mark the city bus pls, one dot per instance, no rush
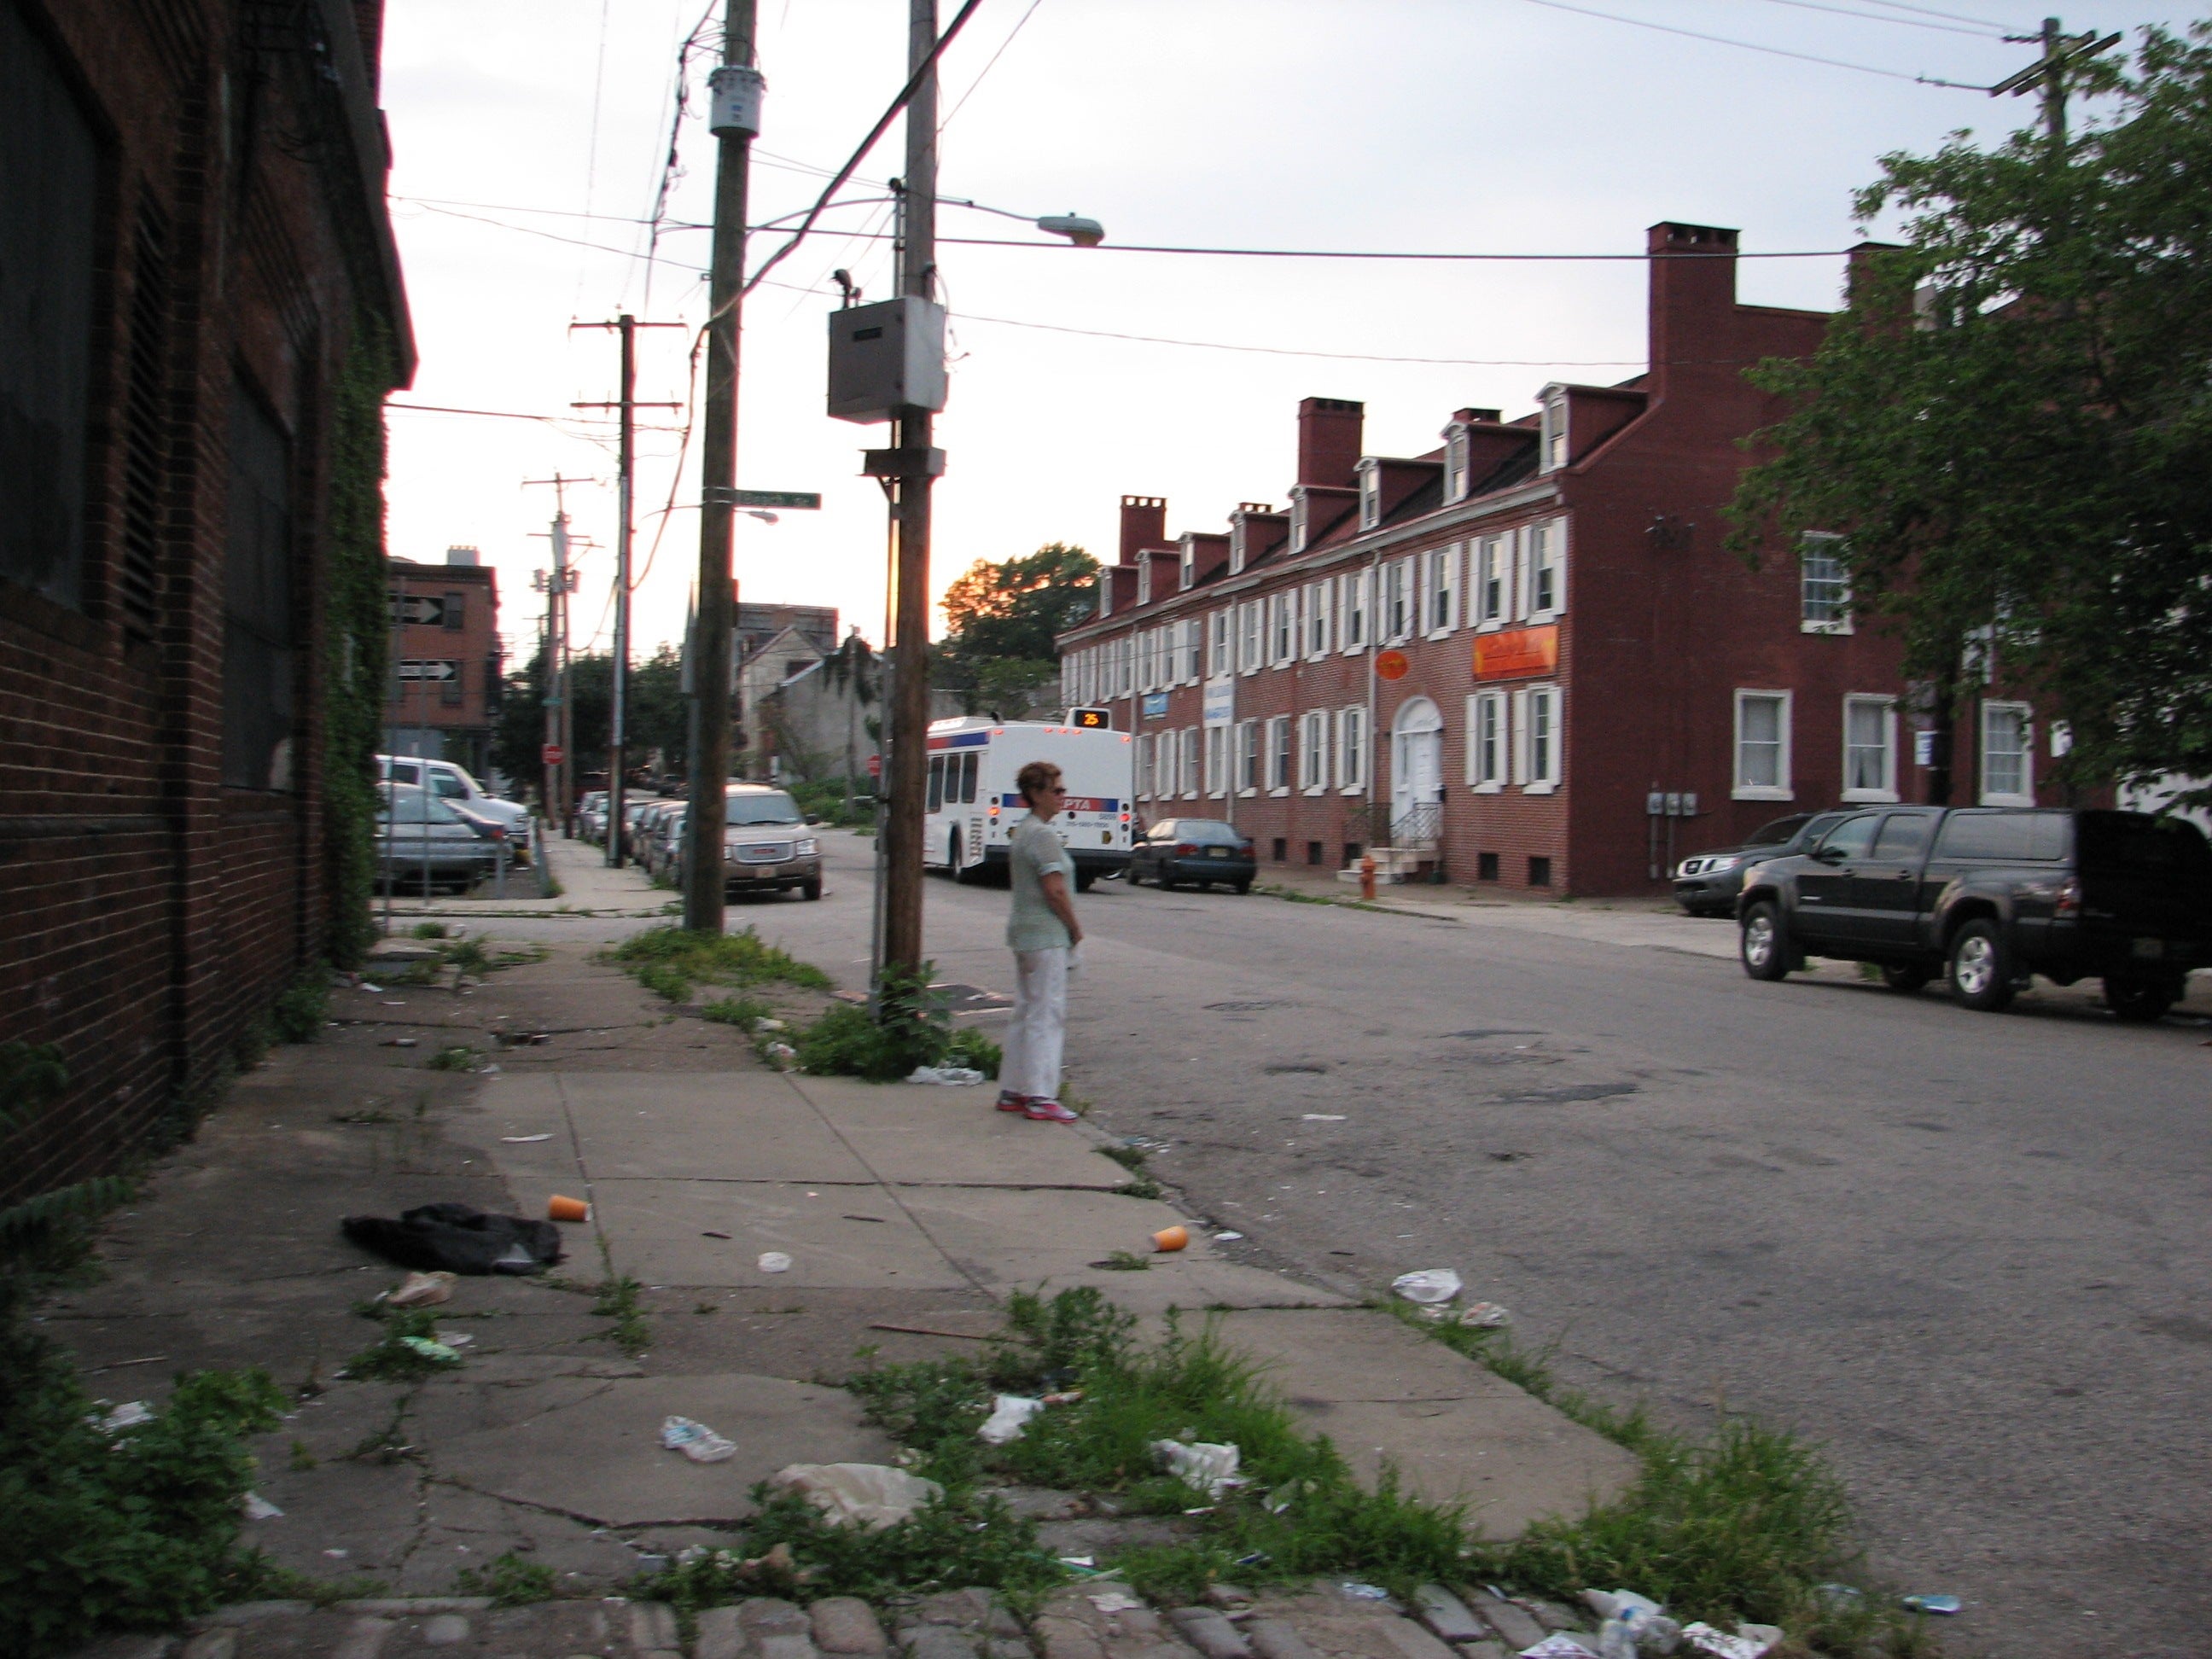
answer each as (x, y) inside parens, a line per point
(973, 804)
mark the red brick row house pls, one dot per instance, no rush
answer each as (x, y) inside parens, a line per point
(1525, 657)
(201, 310)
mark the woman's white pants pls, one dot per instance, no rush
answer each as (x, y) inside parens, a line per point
(1038, 1029)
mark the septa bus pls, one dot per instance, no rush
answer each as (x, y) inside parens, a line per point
(974, 804)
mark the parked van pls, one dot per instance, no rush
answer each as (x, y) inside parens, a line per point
(974, 804)
(449, 782)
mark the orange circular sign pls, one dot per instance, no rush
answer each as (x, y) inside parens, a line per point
(1392, 666)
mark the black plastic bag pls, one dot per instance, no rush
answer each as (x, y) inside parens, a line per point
(455, 1239)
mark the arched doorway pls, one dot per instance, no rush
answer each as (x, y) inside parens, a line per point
(1417, 774)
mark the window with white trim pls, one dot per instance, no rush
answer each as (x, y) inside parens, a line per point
(1313, 750)
(1194, 648)
(1440, 590)
(1217, 760)
(1869, 749)
(2007, 755)
(1397, 600)
(1552, 437)
(1248, 757)
(1252, 637)
(1127, 653)
(1824, 596)
(1144, 579)
(1301, 521)
(1371, 493)
(1355, 589)
(1457, 467)
(1144, 747)
(1352, 749)
(1762, 746)
(1218, 661)
(1486, 742)
(1493, 598)
(1188, 769)
(1546, 740)
(1547, 570)
(1279, 755)
(1282, 627)
(1320, 611)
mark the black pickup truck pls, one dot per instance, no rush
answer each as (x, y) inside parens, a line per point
(1987, 896)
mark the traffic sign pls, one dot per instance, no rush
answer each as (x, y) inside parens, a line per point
(798, 501)
(875, 766)
(414, 668)
(1392, 665)
(550, 754)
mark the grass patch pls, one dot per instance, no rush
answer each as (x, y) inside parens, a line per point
(396, 1358)
(428, 930)
(910, 1028)
(1132, 1158)
(670, 960)
(458, 1058)
(1290, 895)
(741, 1011)
(510, 1580)
(617, 1298)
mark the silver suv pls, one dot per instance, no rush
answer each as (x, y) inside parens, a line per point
(766, 845)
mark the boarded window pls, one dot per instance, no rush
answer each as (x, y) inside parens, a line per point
(257, 638)
(48, 179)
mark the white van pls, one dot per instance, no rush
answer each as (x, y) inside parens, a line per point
(974, 804)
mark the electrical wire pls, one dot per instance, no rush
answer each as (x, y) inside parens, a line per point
(993, 64)
(1367, 254)
(1986, 31)
(1292, 351)
(1772, 51)
(555, 236)
(1927, 11)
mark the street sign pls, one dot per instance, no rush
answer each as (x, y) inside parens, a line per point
(875, 766)
(796, 500)
(550, 754)
(1091, 719)
(426, 669)
(1392, 666)
(419, 610)
(1156, 705)
(1218, 703)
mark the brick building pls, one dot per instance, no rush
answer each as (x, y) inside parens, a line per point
(446, 660)
(200, 312)
(1525, 657)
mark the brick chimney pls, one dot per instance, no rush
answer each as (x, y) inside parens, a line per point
(1692, 295)
(1329, 441)
(1143, 524)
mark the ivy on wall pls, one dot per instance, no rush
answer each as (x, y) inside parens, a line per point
(357, 639)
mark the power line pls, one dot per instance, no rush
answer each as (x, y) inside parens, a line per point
(1986, 31)
(1369, 254)
(993, 64)
(1927, 11)
(555, 236)
(1289, 351)
(1773, 51)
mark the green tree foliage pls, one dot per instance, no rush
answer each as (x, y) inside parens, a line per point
(657, 715)
(1001, 621)
(2012, 421)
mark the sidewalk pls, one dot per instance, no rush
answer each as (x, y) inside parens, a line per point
(908, 1214)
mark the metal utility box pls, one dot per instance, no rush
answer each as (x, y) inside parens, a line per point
(886, 356)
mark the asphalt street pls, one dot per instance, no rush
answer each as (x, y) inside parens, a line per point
(1966, 1253)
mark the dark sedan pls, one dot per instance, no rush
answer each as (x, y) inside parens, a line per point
(1707, 884)
(1201, 850)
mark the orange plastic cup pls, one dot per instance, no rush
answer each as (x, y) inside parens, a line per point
(1171, 1238)
(558, 1208)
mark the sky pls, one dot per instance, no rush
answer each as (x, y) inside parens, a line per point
(531, 138)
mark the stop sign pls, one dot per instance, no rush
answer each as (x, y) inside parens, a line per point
(875, 766)
(550, 754)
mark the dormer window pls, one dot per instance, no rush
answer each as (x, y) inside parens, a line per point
(1105, 593)
(1552, 438)
(1189, 565)
(1371, 493)
(1301, 520)
(1145, 580)
(1457, 464)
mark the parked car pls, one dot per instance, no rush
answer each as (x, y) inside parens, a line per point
(454, 785)
(653, 826)
(1708, 884)
(763, 848)
(1201, 850)
(422, 838)
(1987, 896)
(634, 811)
(592, 816)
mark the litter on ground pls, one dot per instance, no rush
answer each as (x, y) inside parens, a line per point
(1009, 1417)
(1225, 1239)
(1749, 1642)
(1116, 1601)
(436, 1352)
(1360, 1592)
(421, 1290)
(258, 1507)
(1428, 1287)
(1944, 1604)
(525, 1140)
(696, 1440)
(1557, 1647)
(1211, 1467)
(458, 1238)
(774, 1262)
(858, 1494)
(955, 1076)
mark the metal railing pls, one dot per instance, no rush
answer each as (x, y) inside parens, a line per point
(1418, 827)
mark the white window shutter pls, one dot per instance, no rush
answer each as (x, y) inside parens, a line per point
(1474, 738)
(1520, 737)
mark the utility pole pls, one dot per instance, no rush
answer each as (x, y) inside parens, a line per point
(734, 119)
(625, 495)
(908, 728)
(558, 758)
(2048, 73)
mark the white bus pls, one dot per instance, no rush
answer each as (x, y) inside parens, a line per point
(973, 804)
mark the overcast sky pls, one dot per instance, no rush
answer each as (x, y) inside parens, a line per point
(1434, 125)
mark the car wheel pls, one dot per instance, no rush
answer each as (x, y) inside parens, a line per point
(2138, 1000)
(811, 889)
(1243, 886)
(1766, 953)
(1084, 878)
(1981, 967)
(1906, 977)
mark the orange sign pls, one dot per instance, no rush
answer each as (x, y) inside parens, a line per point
(1517, 651)
(1391, 666)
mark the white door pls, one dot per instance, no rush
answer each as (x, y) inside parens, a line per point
(1417, 771)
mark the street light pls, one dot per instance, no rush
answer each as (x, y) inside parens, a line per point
(1084, 233)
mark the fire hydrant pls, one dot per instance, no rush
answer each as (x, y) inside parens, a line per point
(1367, 878)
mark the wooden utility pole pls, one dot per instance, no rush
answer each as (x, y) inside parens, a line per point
(734, 119)
(558, 758)
(2048, 73)
(908, 728)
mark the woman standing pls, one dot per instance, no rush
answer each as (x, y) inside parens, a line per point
(1043, 932)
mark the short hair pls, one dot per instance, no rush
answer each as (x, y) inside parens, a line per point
(1036, 775)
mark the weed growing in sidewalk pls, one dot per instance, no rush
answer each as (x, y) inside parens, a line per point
(1132, 1158)
(428, 930)
(1745, 1525)
(910, 1028)
(741, 1011)
(395, 1358)
(510, 1580)
(670, 960)
(458, 1058)
(617, 1298)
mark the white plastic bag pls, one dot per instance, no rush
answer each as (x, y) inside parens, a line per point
(1209, 1466)
(1429, 1286)
(696, 1440)
(858, 1494)
(1010, 1417)
(957, 1076)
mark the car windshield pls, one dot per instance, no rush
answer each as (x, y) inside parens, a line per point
(409, 804)
(771, 807)
(1774, 833)
(1207, 832)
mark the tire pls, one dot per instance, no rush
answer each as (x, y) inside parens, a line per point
(1762, 947)
(1980, 969)
(1084, 878)
(810, 889)
(1243, 887)
(2136, 1000)
(1907, 978)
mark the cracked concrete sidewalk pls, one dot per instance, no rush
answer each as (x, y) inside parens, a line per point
(908, 1214)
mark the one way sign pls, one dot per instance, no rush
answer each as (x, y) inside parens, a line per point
(427, 670)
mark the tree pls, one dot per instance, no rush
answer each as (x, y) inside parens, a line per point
(657, 718)
(1002, 620)
(2011, 422)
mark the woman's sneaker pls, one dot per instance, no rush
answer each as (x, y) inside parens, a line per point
(1010, 1101)
(1047, 1111)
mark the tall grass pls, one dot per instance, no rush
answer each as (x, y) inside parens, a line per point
(670, 960)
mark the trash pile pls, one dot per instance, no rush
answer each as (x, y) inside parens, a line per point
(456, 1238)
(1435, 1291)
